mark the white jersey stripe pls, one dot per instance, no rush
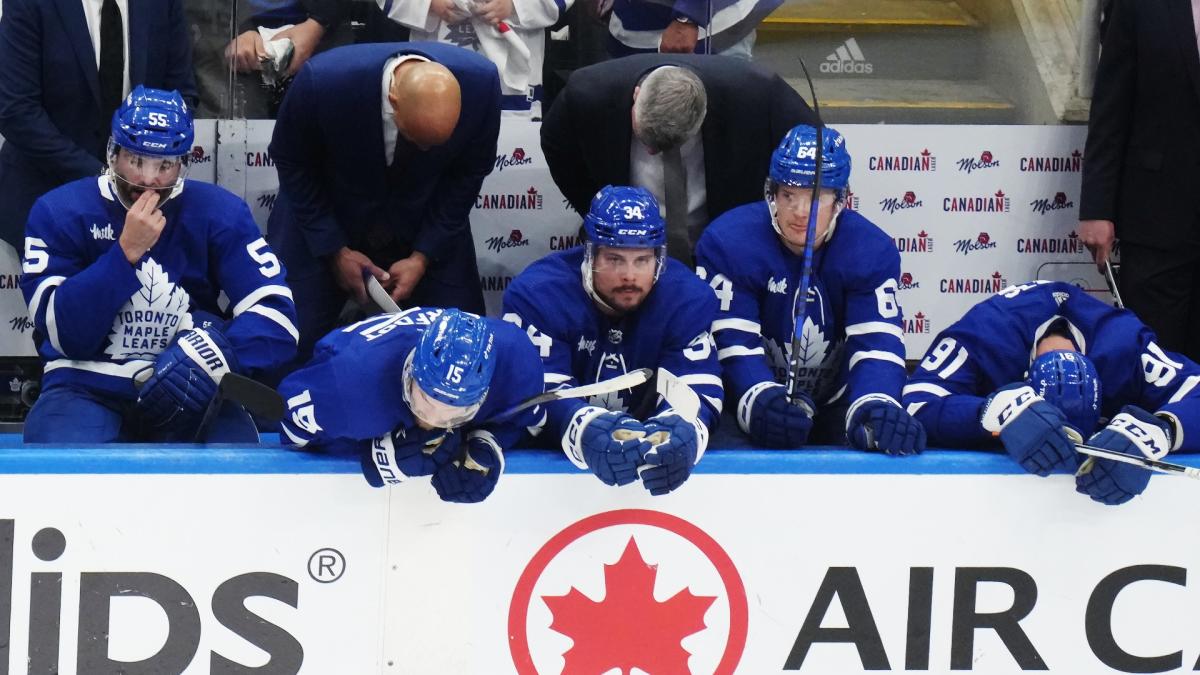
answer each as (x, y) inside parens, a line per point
(727, 352)
(926, 388)
(874, 327)
(875, 355)
(258, 294)
(737, 324)
(279, 318)
(36, 303)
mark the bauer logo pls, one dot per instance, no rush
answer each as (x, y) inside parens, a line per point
(917, 324)
(514, 240)
(1056, 245)
(185, 630)
(530, 200)
(992, 284)
(515, 158)
(922, 243)
(921, 162)
(907, 201)
(1058, 202)
(1072, 163)
(907, 282)
(997, 203)
(980, 243)
(646, 572)
(985, 161)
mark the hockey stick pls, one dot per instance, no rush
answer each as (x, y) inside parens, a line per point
(680, 397)
(1144, 462)
(379, 296)
(1111, 280)
(627, 381)
(256, 397)
(801, 310)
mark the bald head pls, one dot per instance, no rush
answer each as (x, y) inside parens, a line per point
(426, 101)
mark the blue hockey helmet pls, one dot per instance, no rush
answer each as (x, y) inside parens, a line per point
(1068, 381)
(153, 122)
(154, 127)
(452, 368)
(794, 162)
(625, 217)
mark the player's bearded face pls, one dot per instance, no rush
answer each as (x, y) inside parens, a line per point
(792, 206)
(138, 173)
(623, 277)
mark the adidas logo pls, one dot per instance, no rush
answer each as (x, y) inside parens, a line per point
(848, 58)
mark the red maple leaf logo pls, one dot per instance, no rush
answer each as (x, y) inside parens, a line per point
(922, 234)
(628, 628)
(996, 275)
(925, 152)
(919, 315)
(532, 190)
(1073, 235)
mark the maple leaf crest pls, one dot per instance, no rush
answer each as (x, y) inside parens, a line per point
(610, 400)
(159, 299)
(627, 628)
(813, 344)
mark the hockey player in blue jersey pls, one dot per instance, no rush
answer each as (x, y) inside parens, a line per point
(1040, 365)
(418, 393)
(610, 306)
(122, 275)
(852, 349)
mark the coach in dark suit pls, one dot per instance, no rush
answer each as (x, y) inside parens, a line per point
(1141, 170)
(56, 104)
(742, 112)
(383, 184)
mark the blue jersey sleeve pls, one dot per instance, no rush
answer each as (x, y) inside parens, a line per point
(263, 329)
(72, 299)
(518, 377)
(690, 352)
(1168, 387)
(737, 328)
(523, 309)
(943, 392)
(874, 323)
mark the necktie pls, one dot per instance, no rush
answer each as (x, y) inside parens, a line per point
(679, 243)
(112, 58)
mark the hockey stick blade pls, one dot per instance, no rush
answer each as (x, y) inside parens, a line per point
(627, 381)
(1144, 462)
(252, 395)
(379, 296)
(682, 398)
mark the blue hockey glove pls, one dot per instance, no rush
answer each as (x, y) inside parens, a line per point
(185, 380)
(609, 443)
(1032, 430)
(883, 425)
(1133, 432)
(669, 461)
(474, 477)
(394, 457)
(771, 420)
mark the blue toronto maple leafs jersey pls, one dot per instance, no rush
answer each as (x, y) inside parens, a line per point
(353, 388)
(853, 340)
(579, 344)
(992, 345)
(98, 319)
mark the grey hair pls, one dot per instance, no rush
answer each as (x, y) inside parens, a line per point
(670, 107)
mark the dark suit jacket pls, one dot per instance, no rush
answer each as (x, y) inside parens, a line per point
(1141, 164)
(334, 182)
(587, 131)
(54, 130)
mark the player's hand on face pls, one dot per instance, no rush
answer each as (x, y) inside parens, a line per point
(405, 274)
(679, 38)
(305, 37)
(1098, 236)
(144, 223)
(347, 267)
(494, 11)
(446, 10)
(246, 52)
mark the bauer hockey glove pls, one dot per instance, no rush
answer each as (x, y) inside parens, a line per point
(771, 420)
(677, 446)
(1032, 430)
(405, 453)
(884, 425)
(185, 379)
(474, 477)
(1132, 432)
(609, 443)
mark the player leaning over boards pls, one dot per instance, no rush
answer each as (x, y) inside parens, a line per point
(1035, 360)
(122, 273)
(417, 393)
(852, 344)
(613, 305)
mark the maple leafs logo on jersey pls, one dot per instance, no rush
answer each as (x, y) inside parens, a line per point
(609, 400)
(615, 631)
(149, 320)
